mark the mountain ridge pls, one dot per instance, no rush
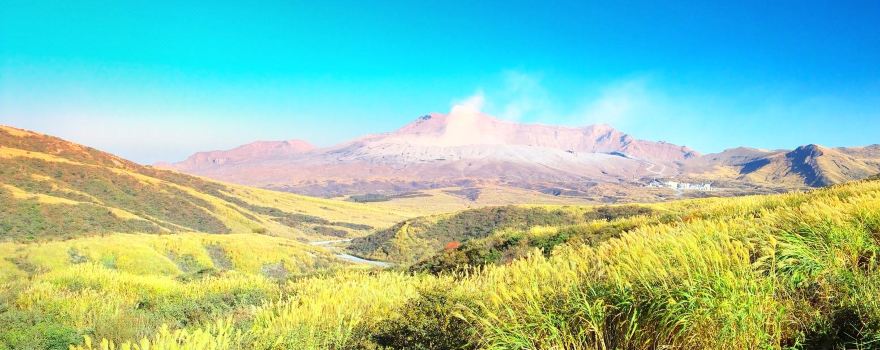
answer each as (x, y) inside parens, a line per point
(250, 150)
(809, 165)
(471, 149)
(441, 150)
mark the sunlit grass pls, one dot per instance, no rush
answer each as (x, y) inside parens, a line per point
(150, 254)
(760, 272)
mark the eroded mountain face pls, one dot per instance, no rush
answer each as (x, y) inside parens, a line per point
(471, 149)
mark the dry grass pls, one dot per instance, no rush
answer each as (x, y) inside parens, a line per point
(763, 272)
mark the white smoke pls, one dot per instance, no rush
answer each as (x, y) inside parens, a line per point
(466, 124)
(619, 103)
(523, 96)
(471, 105)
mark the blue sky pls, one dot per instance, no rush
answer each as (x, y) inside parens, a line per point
(159, 80)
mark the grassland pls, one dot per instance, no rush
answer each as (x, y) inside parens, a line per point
(187, 250)
(796, 270)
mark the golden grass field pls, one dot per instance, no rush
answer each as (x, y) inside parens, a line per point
(778, 271)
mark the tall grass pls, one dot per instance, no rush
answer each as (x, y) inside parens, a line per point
(766, 272)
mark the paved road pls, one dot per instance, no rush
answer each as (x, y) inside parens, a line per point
(326, 243)
(357, 260)
(349, 257)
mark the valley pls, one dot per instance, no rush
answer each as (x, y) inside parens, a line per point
(102, 253)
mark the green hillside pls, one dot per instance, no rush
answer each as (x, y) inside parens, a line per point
(180, 249)
(420, 238)
(51, 188)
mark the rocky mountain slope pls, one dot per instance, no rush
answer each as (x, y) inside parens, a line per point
(468, 150)
(806, 166)
(459, 149)
(254, 150)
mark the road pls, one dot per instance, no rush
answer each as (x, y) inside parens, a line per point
(357, 260)
(349, 257)
(326, 243)
(651, 167)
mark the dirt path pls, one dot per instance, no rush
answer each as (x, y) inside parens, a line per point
(659, 173)
(651, 169)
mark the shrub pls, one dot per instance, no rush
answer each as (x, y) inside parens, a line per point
(430, 321)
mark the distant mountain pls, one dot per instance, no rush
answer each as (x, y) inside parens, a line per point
(468, 149)
(254, 150)
(438, 131)
(806, 166)
(459, 149)
(52, 188)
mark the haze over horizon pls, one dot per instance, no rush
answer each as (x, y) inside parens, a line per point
(159, 81)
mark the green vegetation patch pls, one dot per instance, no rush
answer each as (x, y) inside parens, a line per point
(97, 188)
(29, 219)
(219, 257)
(421, 238)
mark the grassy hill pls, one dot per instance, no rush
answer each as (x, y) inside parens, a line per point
(181, 256)
(509, 243)
(791, 271)
(51, 188)
(70, 213)
(419, 238)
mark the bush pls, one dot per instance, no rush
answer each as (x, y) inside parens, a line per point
(428, 322)
(25, 330)
(617, 212)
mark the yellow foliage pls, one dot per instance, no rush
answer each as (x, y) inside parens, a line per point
(720, 273)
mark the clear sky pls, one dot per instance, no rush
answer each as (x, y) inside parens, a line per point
(158, 80)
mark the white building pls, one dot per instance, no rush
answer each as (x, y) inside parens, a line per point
(682, 186)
